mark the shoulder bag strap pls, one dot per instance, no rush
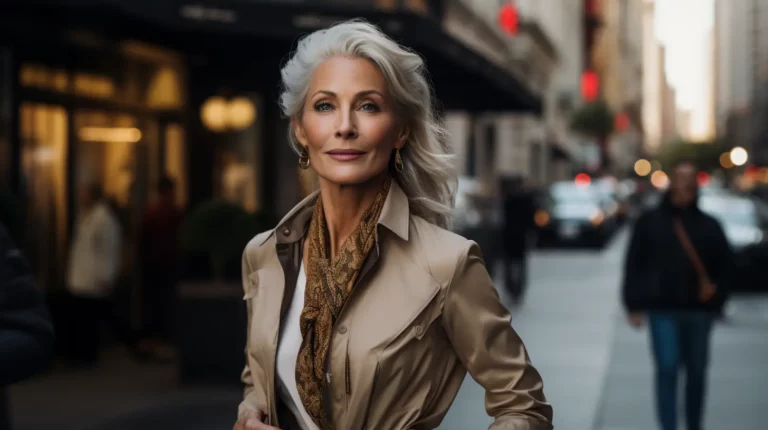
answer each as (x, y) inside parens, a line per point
(682, 234)
(707, 288)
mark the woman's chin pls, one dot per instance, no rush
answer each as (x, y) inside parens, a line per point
(350, 177)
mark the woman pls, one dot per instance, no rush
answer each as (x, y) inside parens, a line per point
(364, 312)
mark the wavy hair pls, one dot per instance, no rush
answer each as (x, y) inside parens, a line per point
(429, 176)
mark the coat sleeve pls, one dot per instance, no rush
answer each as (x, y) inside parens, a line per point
(636, 268)
(26, 333)
(252, 398)
(479, 328)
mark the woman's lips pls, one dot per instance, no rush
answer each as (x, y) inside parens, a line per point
(345, 154)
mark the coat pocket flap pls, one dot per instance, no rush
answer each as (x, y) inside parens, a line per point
(259, 279)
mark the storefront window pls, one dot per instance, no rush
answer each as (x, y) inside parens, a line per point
(176, 161)
(43, 130)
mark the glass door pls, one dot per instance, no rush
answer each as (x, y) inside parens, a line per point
(119, 152)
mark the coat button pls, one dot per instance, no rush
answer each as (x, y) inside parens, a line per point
(342, 329)
(419, 330)
(286, 231)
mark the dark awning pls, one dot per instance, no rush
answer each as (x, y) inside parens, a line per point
(463, 79)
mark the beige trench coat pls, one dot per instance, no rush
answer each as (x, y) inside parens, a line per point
(424, 312)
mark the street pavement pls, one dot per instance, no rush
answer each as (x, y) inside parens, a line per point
(597, 371)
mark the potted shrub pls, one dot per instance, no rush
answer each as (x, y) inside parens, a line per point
(211, 318)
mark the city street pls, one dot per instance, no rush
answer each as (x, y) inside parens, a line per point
(596, 369)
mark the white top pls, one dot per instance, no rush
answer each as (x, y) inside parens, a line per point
(288, 351)
(94, 259)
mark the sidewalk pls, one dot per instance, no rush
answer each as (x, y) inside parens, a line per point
(738, 379)
(119, 394)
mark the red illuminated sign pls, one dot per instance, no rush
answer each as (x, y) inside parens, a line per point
(509, 19)
(590, 85)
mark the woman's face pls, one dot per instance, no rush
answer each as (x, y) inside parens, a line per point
(348, 124)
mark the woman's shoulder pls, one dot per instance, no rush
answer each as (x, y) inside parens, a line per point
(442, 249)
(258, 250)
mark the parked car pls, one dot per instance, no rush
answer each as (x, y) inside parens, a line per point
(745, 223)
(614, 196)
(574, 213)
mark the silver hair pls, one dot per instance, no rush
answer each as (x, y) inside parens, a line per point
(429, 176)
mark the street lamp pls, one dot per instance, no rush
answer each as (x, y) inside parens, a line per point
(739, 156)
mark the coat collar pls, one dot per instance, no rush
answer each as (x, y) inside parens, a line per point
(395, 216)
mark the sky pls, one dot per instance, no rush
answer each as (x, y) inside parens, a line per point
(683, 27)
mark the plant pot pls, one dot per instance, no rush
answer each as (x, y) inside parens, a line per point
(211, 330)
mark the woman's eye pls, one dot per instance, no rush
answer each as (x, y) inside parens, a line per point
(369, 107)
(323, 107)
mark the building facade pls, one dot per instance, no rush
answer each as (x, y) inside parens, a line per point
(618, 60)
(742, 61)
(654, 78)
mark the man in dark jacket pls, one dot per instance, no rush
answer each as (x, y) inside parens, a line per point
(26, 333)
(676, 275)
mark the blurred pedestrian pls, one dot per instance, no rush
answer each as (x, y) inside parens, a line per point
(517, 225)
(384, 310)
(94, 267)
(160, 259)
(676, 277)
(26, 333)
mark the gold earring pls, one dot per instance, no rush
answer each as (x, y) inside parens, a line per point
(304, 158)
(399, 166)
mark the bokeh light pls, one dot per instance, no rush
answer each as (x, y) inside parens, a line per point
(659, 179)
(739, 156)
(642, 167)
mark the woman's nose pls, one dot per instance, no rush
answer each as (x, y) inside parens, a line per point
(347, 129)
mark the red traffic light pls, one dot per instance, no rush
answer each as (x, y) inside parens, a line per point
(582, 180)
(590, 85)
(509, 18)
(702, 178)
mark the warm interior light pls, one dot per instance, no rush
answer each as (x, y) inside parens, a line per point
(214, 113)
(241, 113)
(110, 134)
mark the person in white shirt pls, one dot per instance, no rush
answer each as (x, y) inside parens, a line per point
(94, 266)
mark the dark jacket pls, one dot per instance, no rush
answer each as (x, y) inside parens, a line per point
(658, 273)
(26, 333)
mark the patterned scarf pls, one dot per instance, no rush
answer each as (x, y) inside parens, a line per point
(329, 283)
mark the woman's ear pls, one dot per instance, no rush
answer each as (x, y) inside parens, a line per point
(299, 132)
(402, 138)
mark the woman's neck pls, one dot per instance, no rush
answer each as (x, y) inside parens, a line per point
(344, 205)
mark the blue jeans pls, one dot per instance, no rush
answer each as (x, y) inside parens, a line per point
(680, 339)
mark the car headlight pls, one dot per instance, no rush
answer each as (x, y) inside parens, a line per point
(597, 217)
